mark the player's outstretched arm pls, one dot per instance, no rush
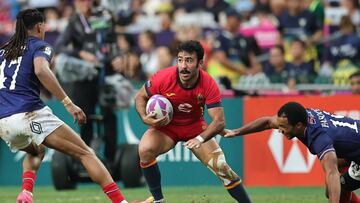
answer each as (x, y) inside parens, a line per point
(260, 124)
(49, 81)
(332, 176)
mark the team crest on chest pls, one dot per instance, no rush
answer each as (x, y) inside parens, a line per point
(200, 99)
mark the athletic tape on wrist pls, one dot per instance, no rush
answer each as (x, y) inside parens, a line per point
(201, 139)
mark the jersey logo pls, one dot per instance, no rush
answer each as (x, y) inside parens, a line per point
(170, 94)
(186, 108)
(36, 127)
(200, 99)
(47, 51)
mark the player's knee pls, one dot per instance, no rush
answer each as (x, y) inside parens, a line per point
(146, 153)
(86, 152)
(222, 170)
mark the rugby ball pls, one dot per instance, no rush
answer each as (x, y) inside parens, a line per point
(161, 106)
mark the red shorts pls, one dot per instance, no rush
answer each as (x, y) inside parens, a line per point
(183, 132)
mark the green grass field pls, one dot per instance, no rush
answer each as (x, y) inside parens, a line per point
(201, 194)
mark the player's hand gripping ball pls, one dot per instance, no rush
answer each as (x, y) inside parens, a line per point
(161, 106)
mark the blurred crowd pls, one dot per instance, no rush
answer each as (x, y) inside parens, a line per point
(248, 43)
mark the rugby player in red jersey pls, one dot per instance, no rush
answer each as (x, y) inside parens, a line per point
(189, 89)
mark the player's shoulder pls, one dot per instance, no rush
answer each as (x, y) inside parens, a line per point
(36, 43)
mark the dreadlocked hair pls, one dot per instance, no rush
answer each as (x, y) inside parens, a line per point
(25, 20)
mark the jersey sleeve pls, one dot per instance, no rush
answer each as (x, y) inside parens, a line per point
(153, 85)
(45, 51)
(212, 96)
(322, 144)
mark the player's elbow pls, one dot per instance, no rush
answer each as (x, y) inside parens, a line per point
(220, 123)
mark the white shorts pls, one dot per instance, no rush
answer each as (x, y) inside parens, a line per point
(20, 130)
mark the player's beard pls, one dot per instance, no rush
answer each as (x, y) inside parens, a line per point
(192, 74)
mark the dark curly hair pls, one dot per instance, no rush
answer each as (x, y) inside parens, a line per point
(25, 20)
(294, 112)
(192, 46)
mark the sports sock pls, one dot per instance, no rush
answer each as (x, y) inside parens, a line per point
(237, 191)
(29, 178)
(153, 178)
(114, 193)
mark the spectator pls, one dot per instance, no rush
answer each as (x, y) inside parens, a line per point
(317, 8)
(148, 57)
(165, 58)
(355, 83)
(216, 7)
(301, 71)
(232, 51)
(277, 7)
(126, 61)
(346, 47)
(277, 69)
(51, 20)
(65, 18)
(262, 6)
(298, 23)
(352, 8)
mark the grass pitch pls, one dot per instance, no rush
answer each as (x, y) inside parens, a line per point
(196, 194)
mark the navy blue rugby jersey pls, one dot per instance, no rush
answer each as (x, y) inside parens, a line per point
(19, 86)
(326, 132)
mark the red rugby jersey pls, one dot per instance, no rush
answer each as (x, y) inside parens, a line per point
(188, 103)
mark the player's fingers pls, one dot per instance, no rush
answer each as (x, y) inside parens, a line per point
(189, 144)
(83, 117)
(161, 121)
(164, 121)
(152, 114)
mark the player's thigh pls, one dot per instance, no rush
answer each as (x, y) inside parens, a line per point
(350, 180)
(65, 140)
(207, 150)
(155, 142)
(21, 130)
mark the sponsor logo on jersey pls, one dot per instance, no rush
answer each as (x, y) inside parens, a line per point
(185, 107)
(170, 94)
